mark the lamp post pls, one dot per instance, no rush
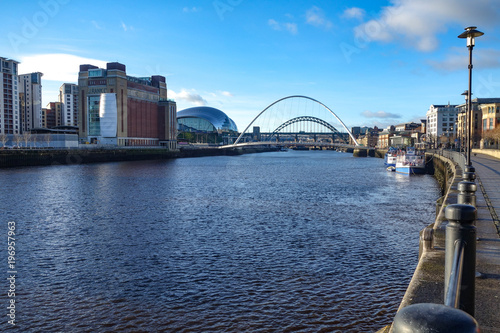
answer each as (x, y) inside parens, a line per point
(465, 122)
(470, 33)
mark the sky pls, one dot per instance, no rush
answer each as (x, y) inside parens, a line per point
(372, 62)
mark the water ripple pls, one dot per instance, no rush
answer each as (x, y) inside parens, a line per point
(278, 242)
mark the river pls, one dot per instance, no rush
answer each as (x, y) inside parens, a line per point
(293, 241)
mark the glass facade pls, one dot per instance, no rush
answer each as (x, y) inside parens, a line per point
(94, 120)
(195, 125)
(204, 119)
(97, 72)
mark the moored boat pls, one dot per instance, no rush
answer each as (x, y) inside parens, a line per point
(390, 157)
(410, 162)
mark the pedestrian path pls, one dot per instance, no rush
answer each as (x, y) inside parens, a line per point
(488, 245)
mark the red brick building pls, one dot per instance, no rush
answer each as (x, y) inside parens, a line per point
(144, 115)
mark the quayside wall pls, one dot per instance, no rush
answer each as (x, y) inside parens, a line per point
(427, 283)
(36, 157)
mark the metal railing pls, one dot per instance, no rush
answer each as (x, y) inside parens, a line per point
(460, 268)
(452, 293)
(460, 262)
(453, 155)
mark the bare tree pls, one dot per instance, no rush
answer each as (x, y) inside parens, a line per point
(493, 137)
(17, 139)
(34, 139)
(3, 139)
(47, 138)
(26, 138)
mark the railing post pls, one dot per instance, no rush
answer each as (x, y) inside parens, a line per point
(469, 174)
(433, 318)
(461, 229)
(467, 193)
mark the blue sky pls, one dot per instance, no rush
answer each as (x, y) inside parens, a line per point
(371, 62)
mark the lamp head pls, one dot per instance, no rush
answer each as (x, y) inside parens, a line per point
(470, 33)
(466, 94)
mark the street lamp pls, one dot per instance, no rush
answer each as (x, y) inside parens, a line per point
(470, 33)
(465, 132)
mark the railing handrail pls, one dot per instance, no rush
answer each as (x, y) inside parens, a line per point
(453, 292)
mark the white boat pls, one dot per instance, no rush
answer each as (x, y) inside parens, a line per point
(390, 157)
(410, 162)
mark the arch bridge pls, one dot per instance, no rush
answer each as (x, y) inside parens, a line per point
(279, 130)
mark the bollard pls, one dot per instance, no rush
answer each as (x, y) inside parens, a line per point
(469, 173)
(469, 176)
(433, 318)
(470, 168)
(467, 193)
(461, 229)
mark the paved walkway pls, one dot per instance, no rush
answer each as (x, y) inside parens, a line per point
(488, 245)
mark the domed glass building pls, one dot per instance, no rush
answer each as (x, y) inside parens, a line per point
(204, 119)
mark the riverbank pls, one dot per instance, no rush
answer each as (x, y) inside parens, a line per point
(427, 284)
(40, 157)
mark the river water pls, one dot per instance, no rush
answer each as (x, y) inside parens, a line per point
(292, 241)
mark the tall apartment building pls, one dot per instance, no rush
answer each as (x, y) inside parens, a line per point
(30, 100)
(52, 115)
(9, 93)
(115, 108)
(441, 122)
(68, 97)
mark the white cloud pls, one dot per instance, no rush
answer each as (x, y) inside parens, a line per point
(56, 67)
(354, 12)
(379, 114)
(287, 26)
(96, 25)
(419, 22)
(274, 24)
(226, 93)
(191, 9)
(315, 16)
(292, 28)
(126, 27)
(191, 97)
(458, 59)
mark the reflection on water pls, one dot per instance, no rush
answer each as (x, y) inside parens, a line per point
(295, 241)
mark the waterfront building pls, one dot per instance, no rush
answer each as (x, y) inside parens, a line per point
(205, 124)
(51, 115)
(9, 105)
(441, 124)
(491, 124)
(479, 106)
(134, 111)
(68, 97)
(407, 127)
(30, 100)
(384, 137)
(369, 139)
(491, 116)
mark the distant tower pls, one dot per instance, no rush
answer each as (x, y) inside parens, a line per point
(68, 97)
(30, 98)
(9, 102)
